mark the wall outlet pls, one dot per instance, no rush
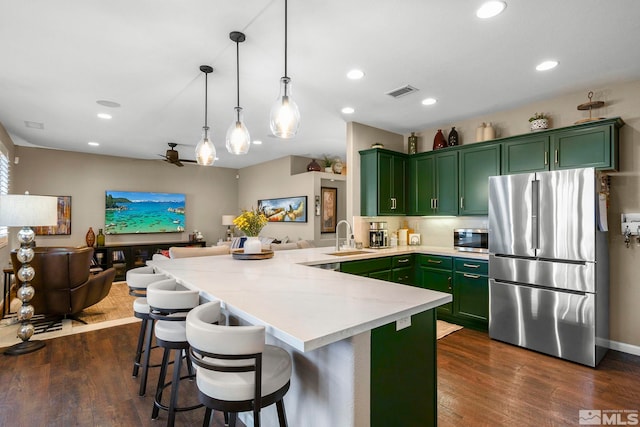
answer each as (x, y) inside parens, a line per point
(405, 322)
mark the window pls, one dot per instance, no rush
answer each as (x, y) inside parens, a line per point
(4, 189)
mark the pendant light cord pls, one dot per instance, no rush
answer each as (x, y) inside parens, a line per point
(285, 38)
(206, 91)
(238, 73)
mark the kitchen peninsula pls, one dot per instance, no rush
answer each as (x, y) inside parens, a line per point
(363, 349)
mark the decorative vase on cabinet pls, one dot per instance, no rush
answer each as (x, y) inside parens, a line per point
(313, 166)
(439, 141)
(413, 143)
(453, 137)
(100, 238)
(90, 238)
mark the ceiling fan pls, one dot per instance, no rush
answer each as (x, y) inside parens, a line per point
(173, 157)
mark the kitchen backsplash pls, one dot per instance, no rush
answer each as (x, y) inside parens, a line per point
(434, 231)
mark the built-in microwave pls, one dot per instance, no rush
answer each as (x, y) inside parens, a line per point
(471, 240)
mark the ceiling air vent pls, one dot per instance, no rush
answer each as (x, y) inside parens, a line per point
(402, 91)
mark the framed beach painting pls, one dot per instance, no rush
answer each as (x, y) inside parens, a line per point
(329, 209)
(63, 227)
(284, 209)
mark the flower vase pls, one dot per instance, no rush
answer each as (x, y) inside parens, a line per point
(439, 141)
(252, 245)
(90, 238)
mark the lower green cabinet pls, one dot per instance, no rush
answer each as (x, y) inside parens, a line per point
(403, 373)
(466, 279)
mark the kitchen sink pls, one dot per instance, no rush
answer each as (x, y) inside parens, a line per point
(347, 253)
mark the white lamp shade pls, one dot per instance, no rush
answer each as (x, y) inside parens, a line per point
(228, 219)
(19, 210)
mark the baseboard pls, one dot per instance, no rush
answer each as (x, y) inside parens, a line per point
(624, 347)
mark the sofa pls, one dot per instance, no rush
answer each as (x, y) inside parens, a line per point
(63, 283)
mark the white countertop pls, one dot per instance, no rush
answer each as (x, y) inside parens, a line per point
(303, 306)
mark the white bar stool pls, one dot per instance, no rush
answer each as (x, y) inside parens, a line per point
(169, 303)
(236, 370)
(138, 279)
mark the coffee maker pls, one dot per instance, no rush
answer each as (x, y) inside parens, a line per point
(378, 235)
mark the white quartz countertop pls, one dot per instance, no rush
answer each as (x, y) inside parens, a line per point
(307, 307)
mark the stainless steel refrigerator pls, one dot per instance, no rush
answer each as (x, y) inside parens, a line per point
(548, 264)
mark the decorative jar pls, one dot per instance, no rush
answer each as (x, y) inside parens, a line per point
(439, 141)
(413, 143)
(100, 238)
(453, 137)
(539, 124)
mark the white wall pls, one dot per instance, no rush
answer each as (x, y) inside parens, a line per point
(210, 191)
(287, 177)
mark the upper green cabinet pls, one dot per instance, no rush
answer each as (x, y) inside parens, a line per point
(585, 145)
(476, 165)
(433, 184)
(382, 182)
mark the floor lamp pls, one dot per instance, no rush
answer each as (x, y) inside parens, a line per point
(24, 211)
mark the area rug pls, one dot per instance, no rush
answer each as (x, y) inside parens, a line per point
(443, 328)
(116, 309)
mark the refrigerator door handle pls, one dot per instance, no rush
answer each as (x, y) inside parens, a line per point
(535, 206)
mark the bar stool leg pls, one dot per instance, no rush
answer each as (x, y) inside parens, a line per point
(161, 379)
(173, 402)
(147, 356)
(141, 336)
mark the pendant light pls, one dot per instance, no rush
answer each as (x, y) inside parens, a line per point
(205, 151)
(285, 116)
(238, 139)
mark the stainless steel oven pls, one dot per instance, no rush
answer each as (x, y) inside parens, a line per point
(471, 240)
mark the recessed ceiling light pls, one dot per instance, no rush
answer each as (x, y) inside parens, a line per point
(348, 110)
(490, 9)
(257, 142)
(106, 103)
(355, 74)
(93, 143)
(429, 101)
(546, 65)
(104, 116)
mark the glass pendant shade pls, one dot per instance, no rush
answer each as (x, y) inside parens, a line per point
(285, 116)
(205, 150)
(238, 139)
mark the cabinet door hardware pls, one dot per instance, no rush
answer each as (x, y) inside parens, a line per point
(461, 202)
(471, 265)
(546, 158)
(404, 260)
(471, 276)
(434, 261)
(449, 280)
(556, 156)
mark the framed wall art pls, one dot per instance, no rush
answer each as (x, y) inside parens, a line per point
(284, 209)
(329, 209)
(63, 227)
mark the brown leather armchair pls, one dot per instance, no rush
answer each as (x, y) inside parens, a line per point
(63, 284)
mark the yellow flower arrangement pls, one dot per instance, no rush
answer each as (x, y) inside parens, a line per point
(250, 222)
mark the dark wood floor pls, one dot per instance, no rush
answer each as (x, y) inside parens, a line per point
(85, 380)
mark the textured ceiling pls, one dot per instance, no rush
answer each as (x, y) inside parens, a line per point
(60, 57)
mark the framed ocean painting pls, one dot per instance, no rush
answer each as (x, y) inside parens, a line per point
(284, 209)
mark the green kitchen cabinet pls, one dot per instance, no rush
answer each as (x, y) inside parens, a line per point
(525, 155)
(435, 273)
(376, 268)
(594, 144)
(382, 182)
(433, 184)
(402, 269)
(476, 165)
(583, 147)
(471, 292)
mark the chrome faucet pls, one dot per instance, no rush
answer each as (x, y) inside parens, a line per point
(349, 232)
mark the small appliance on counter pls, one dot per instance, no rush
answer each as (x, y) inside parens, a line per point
(378, 235)
(471, 240)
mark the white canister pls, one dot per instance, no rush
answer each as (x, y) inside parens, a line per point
(489, 133)
(403, 235)
(252, 245)
(480, 133)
